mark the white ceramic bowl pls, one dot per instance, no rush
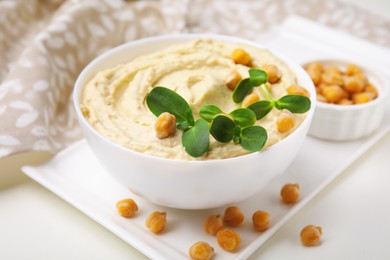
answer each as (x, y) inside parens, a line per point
(188, 184)
(344, 123)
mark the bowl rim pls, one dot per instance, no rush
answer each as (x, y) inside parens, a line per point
(294, 66)
(383, 90)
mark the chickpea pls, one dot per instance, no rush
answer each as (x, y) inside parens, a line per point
(201, 251)
(273, 73)
(250, 99)
(371, 89)
(321, 98)
(127, 208)
(213, 224)
(240, 56)
(320, 88)
(315, 66)
(315, 77)
(360, 98)
(354, 84)
(157, 221)
(297, 90)
(332, 76)
(233, 216)
(311, 235)
(345, 102)
(165, 125)
(352, 70)
(333, 94)
(232, 80)
(290, 193)
(260, 220)
(285, 121)
(228, 239)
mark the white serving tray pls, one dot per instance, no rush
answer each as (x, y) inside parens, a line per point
(76, 176)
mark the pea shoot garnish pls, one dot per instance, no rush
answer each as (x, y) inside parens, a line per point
(237, 126)
(257, 78)
(195, 136)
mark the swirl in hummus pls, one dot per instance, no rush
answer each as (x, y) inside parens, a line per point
(113, 102)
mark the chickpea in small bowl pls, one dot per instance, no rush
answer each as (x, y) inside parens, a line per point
(351, 99)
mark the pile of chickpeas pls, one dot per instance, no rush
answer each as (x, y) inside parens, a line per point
(341, 86)
(221, 226)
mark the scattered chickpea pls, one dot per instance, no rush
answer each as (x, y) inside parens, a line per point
(157, 221)
(285, 121)
(127, 208)
(233, 216)
(297, 90)
(165, 125)
(273, 73)
(213, 224)
(240, 56)
(228, 239)
(232, 80)
(290, 193)
(311, 235)
(250, 99)
(260, 220)
(201, 251)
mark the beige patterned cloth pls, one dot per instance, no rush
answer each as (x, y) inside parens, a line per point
(44, 44)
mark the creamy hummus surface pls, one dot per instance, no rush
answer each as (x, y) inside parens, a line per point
(114, 103)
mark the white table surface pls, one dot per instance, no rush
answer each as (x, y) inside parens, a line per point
(354, 212)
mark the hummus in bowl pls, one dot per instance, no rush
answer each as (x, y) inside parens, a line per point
(114, 104)
(110, 101)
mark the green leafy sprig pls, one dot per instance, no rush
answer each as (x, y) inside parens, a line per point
(237, 126)
(196, 134)
(258, 78)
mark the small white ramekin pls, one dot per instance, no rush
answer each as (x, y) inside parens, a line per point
(349, 122)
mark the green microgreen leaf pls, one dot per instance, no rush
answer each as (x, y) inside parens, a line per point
(196, 139)
(253, 138)
(261, 108)
(258, 77)
(222, 128)
(243, 88)
(208, 112)
(162, 99)
(295, 103)
(243, 116)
